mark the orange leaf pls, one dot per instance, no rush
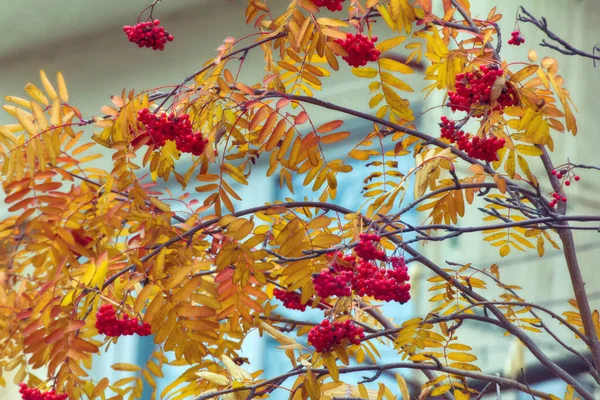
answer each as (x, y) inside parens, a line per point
(330, 126)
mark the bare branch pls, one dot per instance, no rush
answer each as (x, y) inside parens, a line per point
(542, 25)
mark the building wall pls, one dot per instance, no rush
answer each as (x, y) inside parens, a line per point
(84, 40)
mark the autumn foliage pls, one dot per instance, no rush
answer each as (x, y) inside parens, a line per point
(92, 254)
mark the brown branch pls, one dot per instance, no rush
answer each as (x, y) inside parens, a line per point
(190, 233)
(97, 184)
(542, 25)
(508, 383)
(243, 50)
(566, 236)
(515, 331)
(368, 117)
(472, 24)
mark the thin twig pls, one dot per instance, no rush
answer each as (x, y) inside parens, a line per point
(542, 24)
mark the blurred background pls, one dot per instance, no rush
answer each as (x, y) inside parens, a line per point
(84, 40)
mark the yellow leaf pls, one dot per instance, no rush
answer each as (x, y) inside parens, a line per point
(389, 44)
(395, 101)
(331, 22)
(524, 73)
(439, 390)
(521, 240)
(403, 387)
(47, 85)
(365, 72)
(395, 66)
(463, 357)
(26, 122)
(62, 88)
(334, 33)
(236, 372)
(529, 150)
(458, 346)
(125, 367)
(100, 386)
(504, 250)
(277, 335)
(36, 93)
(217, 379)
(329, 361)
(395, 82)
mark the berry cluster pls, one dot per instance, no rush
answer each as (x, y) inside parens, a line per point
(360, 49)
(381, 283)
(332, 5)
(516, 38)
(361, 275)
(333, 282)
(148, 34)
(366, 248)
(325, 336)
(165, 127)
(292, 301)
(475, 88)
(568, 177)
(28, 393)
(108, 324)
(485, 149)
(81, 239)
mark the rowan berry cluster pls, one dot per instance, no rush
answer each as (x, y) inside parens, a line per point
(165, 127)
(516, 38)
(28, 393)
(292, 300)
(81, 239)
(333, 282)
(360, 49)
(148, 34)
(366, 248)
(349, 273)
(568, 177)
(384, 284)
(475, 88)
(325, 336)
(108, 324)
(485, 149)
(332, 5)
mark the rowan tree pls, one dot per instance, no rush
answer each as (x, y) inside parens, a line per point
(91, 255)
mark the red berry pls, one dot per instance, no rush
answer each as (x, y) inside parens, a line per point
(325, 336)
(28, 393)
(517, 39)
(553, 172)
(360, 49)
(148, 34)
(163, 127)
(559, 176)
(483, 149)
(108, 324)
(332, 5)
(568, 183)
(576, 177)
(474, 89)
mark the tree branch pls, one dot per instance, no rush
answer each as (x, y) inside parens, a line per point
(542, 25)
(566, 236)
(504, 382)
